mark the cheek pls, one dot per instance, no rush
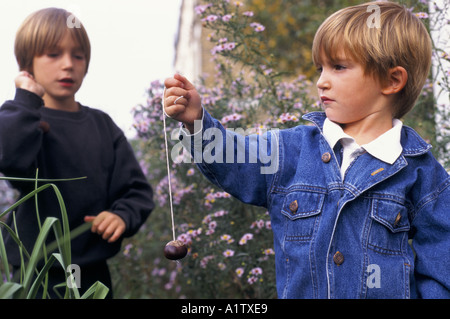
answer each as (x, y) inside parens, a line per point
(41, 74)
(81, 68)
(41, 69)
(35, 67)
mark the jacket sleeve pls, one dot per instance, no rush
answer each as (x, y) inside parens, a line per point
(131, 196)
(21, 133)
(431, 244)
(241, 164)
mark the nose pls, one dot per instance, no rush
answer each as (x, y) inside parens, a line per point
(67, 61)
(323, 82)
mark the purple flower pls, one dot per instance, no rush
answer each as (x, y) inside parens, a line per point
(228, 253)
(231, 117)
(223, 47)
(245, 238)
(202, 8)
(252, 280)
(211, 18)
(269, 251)
(229, 46)
(422, 15)
(239, 272)
(258, 27)
(256, 271)
(126, 251)
(227, 17)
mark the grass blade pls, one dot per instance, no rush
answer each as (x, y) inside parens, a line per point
(4, 258)
(25, 198)
(35, 254)
(96, 291)
(8, 289)
(40, 278)
(16, 239)
(63, 235)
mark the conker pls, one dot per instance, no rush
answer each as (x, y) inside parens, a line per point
(175, 250)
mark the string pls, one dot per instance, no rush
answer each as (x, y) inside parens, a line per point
(168, 165)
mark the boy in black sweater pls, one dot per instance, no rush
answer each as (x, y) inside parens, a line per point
(45, 128)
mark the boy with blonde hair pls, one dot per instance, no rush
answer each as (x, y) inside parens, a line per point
(353, 189)
(45, 128)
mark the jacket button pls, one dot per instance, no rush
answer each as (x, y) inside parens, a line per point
(326, 157)
(338, 258)
(293, 206)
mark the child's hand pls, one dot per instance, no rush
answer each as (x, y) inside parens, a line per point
(186, 109)
(109, 225)
(27, 82)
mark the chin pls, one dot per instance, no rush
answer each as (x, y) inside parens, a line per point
(332, 116)
(338, 117)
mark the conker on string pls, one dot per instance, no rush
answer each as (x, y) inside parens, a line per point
(175, 250)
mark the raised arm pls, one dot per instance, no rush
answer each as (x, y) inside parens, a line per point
(21, 128)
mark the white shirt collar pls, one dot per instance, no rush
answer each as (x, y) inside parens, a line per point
(386, 147)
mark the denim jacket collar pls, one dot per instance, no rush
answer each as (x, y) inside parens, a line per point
(412, 143)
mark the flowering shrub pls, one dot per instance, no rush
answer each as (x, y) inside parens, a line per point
(8, 195)
(230, 244)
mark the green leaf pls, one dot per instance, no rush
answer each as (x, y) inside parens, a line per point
(8, 289)
(96, 291)
(35, 254)
(15, 238)
(40, 278)
(4, 257)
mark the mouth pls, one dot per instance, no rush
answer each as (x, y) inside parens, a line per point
(67, 82)
(326, 100)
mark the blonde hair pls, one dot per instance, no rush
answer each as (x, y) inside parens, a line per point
(398, 39)
(42, 31)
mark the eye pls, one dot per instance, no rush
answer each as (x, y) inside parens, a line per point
(339, 67)
(79, 56)
(319, 69)
(52, 54)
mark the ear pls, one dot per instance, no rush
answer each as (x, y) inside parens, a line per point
(396, 80)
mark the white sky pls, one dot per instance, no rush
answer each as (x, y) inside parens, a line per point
(132, 44)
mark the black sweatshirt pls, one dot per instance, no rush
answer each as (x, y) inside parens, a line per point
(61, 145)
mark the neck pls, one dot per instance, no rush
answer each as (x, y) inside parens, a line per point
(64, 104)
(368, 129)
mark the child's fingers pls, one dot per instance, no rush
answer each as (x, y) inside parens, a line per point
(186, 84)
(24, 73)
(109, 230)
(176, 92)
(173, 82)
(26, 81)
(107, 225)
(180, 81)
(97, 222)
(112, 229)
(89, 219)
(176, 100)
(174, 110)
(181, 100)
(118, 231)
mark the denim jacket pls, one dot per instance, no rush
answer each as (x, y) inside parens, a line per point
(383, 232)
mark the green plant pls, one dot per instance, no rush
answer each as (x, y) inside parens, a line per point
(31, 277)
